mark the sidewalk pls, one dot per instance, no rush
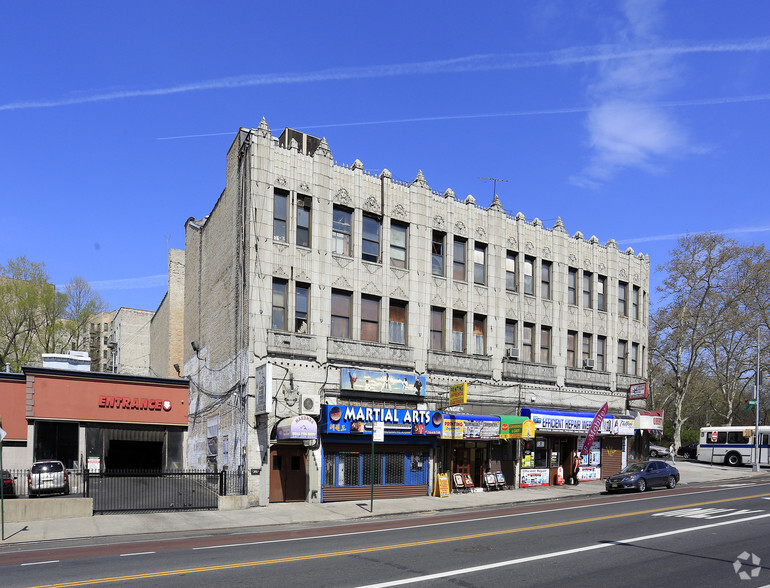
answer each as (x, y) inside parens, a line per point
(302, 512)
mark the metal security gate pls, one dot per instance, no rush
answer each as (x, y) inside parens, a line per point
(160, 491)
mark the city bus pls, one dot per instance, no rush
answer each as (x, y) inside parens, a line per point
(733, 445)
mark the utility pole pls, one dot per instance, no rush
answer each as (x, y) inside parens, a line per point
(494, 184)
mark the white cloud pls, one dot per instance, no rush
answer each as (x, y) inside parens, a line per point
(627, 127)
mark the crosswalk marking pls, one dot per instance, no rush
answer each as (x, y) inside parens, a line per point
(705, 513)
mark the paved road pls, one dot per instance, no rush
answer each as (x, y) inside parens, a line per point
(688, 536)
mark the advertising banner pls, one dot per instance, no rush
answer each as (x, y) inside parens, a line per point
(382, 382)
(534, 477)
(458, 394)
(264, 391)
(594, 429)
(637, 391)
(358, 420)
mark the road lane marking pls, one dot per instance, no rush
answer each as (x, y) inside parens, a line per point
(512, 562)
(137, 553)
(413, 544)
(464, 521)
(40, 563)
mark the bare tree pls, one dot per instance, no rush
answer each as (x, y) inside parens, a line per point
(682, 326)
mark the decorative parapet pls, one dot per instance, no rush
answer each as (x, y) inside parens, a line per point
(459, 363)
(293, 344)
(588, 378)
(531, 372)
(367, 352)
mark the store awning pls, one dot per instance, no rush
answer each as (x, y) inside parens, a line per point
(648, 419)
(298, 427)
(516, 427)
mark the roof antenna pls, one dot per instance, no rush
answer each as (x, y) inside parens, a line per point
(494, 185)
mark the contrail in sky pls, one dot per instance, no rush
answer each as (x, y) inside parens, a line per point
(675, 236)
(472, 63)
(576, 110)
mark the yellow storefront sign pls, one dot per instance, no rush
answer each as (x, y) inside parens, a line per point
(452, 429)
(458, 394)
(516, 427)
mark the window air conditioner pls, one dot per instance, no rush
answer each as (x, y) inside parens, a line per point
(589, 364)
(512, 353)
(311, 404)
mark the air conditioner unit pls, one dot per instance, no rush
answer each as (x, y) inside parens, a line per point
(512, 353)
(589, 364)
(310, 404)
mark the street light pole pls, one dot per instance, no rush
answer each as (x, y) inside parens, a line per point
(755, 461)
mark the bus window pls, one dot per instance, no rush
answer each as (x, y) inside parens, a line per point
(735, 437)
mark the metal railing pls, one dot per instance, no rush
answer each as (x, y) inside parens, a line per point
(139, 491)
(20, 484)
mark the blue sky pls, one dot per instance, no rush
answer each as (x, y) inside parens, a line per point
(636, 121)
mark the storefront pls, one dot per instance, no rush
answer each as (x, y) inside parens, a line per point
(294, 436)
(547, 459)
(468, 443)
(402, 461)
(107, 421)
(646, 424)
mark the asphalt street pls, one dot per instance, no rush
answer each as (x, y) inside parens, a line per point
(663, 537)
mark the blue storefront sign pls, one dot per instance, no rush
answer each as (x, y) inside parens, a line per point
(565, 422)
(357, 420)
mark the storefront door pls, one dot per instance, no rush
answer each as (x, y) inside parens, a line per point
(462, 460)
(287, 474)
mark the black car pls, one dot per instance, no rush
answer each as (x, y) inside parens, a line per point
(8, 488)
(642, 475)
(688, 451)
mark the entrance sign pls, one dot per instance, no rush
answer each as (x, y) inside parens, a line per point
(594, 429)
(299, 427)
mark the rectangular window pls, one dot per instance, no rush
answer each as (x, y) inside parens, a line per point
(280, 208)
(527, 336)
(398, 241)
(571, 286)
(458, 332)
(622, 356)
(479, 263)
(279, 304)
(340, 324)
(571, 348)
(397, 322)
(437, 329)
(370, 240)
(510, 271)
(458, 260)
(342, 232)
(302, 308)
(601, 290)
(587, 339)
(370, 318)
(304, 205)
(479, 334)
(587, 290)
(634, 371)
(622, 298)
(545, 345)
(635, 303)
(437, 253)
(601, 353)
(510, 334)
(529, 276)
(545, 280)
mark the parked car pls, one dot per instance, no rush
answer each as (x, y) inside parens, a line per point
(8, 487)
(658, 451)
(688, 451)
(47, 477)
(642, 475)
